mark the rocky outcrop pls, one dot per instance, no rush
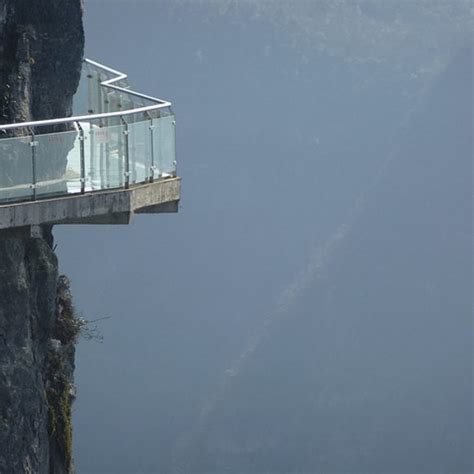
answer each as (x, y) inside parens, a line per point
(41, 48)
(41, 51)
(42, 45)
(36, 359)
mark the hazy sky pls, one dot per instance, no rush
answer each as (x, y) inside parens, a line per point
(309, 307)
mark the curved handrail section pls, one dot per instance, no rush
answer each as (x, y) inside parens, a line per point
(109, 83)
(116, 138)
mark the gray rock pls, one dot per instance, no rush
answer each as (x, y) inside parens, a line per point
(41, 48)
(41, 52)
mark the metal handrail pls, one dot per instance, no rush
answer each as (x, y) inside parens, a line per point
(160, 104)
(125, 161)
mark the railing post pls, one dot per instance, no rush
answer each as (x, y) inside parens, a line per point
(107, 143)
(127, 154)
(100, 103)
(152, 148)
(82, 157)
(90, 77)
(33, 144)
(175, 162)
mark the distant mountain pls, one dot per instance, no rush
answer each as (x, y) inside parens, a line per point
(415, 40)
(371, 370)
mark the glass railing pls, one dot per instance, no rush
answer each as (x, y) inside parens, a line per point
(117, 139)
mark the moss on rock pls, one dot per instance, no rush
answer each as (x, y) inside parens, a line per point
(59, 396)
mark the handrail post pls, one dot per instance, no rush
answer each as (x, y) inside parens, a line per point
(33, 144)
(175, 161)
(90, 105)
(82, 157)
(152, 148)
(127, 154)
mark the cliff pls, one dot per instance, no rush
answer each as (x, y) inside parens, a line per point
(41, 52)
(41, 48)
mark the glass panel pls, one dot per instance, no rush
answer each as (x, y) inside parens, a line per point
(57, 158)
(123, 83)
(80, 99)
(57, 161)
(164, 146)
(16, 169)
(93, 91)
(114, 101)
(93, 98)
(73, 167)
(139, 140)
(156, 113)
(126, 101)
(105, 155)
(103, 94)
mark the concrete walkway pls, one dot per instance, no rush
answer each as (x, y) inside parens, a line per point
(116, 206)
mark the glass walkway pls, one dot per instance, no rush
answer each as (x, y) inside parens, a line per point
(117, 138)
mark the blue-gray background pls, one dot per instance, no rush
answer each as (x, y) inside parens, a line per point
(309, 308)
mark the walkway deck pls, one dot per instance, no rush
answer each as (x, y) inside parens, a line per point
(116, 206)
(113, 159)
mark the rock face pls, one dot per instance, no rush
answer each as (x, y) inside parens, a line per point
(36, 366)
(41, 50)
(42, 47)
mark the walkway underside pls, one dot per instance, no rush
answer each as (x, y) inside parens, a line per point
(116, 206)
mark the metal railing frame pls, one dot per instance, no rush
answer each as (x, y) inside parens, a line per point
(159, 104)
(76, 122)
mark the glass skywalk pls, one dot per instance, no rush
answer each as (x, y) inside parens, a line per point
(117, 138)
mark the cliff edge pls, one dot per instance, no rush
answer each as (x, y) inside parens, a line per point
(41, 52)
